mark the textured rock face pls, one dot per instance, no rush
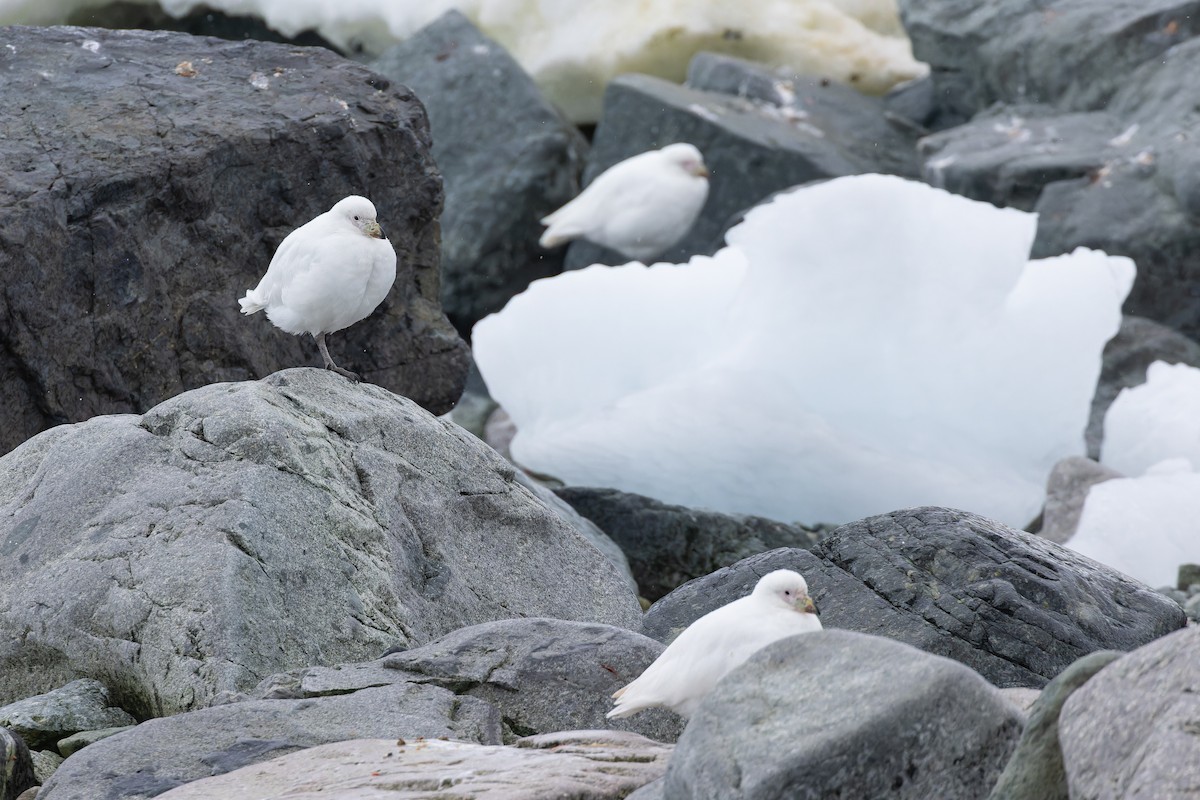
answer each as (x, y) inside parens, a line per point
(16, 766)
(1012, 606)
(668, 545)
(834, 714)
(147, 180)
(773, 134)
(164, 753)
(508, 157)
(79, 706)
(543, 675)
(1133, 730)
(583, 765)
(240, 530)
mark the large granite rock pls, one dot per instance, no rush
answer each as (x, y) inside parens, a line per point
(668, 545)
(1092, 131)
(582, 765)
(1016, 608)
(244, 529)
(1133, 730)
(1036, 769)
(164, 753)
(543, 675)
(43, 720)
(760, 132)
(508, 157)
(840, 714)
(147, 180)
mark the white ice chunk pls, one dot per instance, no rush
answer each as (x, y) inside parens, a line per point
(1157, 420)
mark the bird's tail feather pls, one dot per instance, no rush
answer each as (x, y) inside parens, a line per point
(251, 302)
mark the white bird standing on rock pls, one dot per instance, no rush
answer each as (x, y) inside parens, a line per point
(638, 207)
(722, 639)
(327, 275)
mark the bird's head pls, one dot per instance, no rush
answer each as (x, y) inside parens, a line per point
(687, 158)
(359, 212)
(786, 588)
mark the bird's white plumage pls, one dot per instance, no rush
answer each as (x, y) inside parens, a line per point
(718, 642)
(638, 207)
(327, 274)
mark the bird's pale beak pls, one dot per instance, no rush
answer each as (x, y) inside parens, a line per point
(806, 605)
(701, 171)
(372, 229)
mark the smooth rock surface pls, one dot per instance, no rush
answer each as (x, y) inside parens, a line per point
(543, 675)
(1012, 606)
(753, 147)
(578, 765)
(161, 754)
(1066, 490)
(79, 706)
(1133, 730)
(507, 155)
(77, 741)
(835, 713)
(148, 178)
(668, 545)
(244, 529)
(1036, 769)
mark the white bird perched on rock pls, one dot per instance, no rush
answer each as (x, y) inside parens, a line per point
(722, 639)
(638, 207)
(327, 275)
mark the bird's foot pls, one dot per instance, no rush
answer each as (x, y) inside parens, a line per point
(345, 373)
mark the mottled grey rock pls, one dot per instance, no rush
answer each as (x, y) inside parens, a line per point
(148, 178)
(1016, 608)
(79, 706)
(1137, 345)
(508, 157)
(164, 753)
(841, 714)
(45, 764)
(668, 545)
(16, 766)
(1066, 490)
(543, 675)
(1134, 729)
(1189, 576)
(244, 529)
(753, 147)
(576, 765)
(78, 741)
(1035, 771)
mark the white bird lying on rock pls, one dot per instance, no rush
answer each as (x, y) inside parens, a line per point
(638, 207)
(327, 275)
(722, 639)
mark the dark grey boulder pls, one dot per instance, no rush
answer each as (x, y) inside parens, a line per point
(755, 143)
(508, 157)
(1035, 771)
(841, 714)
(1132, 731)
(16, 766)
(164, 753)
(668, 545)
(148, 178)
(1138, 344)
(543, 675)
(1015, 607)
(1066, 491)
(244, 529)
(79, 706)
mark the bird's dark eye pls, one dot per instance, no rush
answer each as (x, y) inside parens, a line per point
(356, 217)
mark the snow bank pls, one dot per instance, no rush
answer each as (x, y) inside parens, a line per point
(1148, 524)
(572, 49)
(863, 345)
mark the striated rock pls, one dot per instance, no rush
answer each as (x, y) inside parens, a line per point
(1066, 491)
(164, 753)
(1036, 769)
(79, 706)
(1016, 608)
(835, 713)
(508, 157)
(789, 131)
(149, 177)
(543, 675)
(668, 545)
(16, 766)
(240, 530)
(1131, 731)
(587, 765)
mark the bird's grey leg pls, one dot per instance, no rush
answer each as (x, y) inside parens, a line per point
(329, 360)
